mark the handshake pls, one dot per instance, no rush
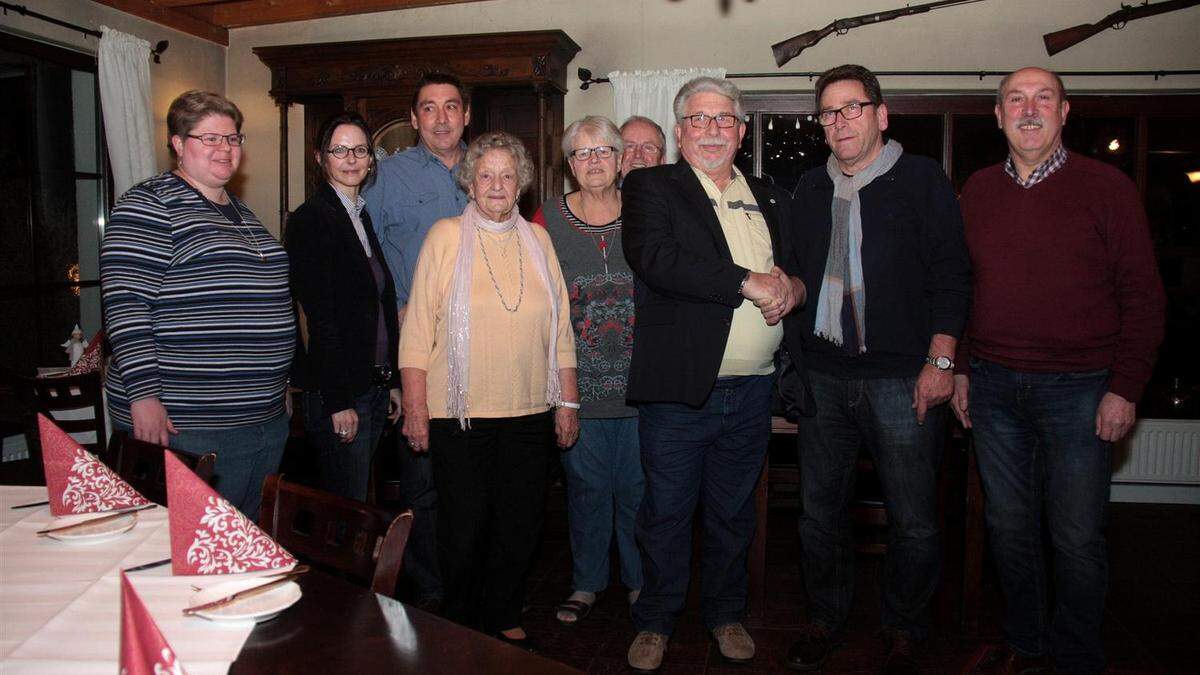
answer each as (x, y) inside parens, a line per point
(774, 293)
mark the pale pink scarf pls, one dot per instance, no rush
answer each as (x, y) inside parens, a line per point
(459, 310)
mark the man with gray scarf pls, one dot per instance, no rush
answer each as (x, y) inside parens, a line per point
(883, 256)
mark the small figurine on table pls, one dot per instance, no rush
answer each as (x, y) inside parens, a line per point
(74, 347)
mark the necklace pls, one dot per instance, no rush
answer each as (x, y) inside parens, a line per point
(520, 268)
(247, 235)
(600, 240)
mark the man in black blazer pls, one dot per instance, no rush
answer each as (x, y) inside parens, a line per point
(708, 246)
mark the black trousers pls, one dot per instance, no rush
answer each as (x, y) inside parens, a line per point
(491, 486)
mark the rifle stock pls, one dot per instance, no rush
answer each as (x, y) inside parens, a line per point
(790, 48)
(1069, 37)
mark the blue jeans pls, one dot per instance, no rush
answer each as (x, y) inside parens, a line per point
(245, 457)
(877, 414)
(714, 455)
(345, 468)
(419, 493)
(604, 486)
(1035, 438)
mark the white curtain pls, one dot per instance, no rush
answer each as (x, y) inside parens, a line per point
(650, 93)
(124, 69)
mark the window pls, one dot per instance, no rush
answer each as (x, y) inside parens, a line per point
(1152, 139)
(54, 194)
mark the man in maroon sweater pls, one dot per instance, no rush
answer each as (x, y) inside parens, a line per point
(1066, 315)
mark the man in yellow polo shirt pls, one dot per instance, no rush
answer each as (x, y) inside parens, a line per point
(709, 247)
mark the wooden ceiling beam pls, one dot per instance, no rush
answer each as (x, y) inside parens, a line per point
(241, 13)
(171, 18)
(188, 3)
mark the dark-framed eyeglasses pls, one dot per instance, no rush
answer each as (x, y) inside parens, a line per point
(851, 111)
(647, 149)
(702, 120)
(600, 151)
(340, 151)
(213, 140)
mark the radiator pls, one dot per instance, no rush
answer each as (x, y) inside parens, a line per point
(1159, 452)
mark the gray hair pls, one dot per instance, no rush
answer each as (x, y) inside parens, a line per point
(711, 85)
(495, 140)
(599, 126)
(662, 137)
(1062, 90)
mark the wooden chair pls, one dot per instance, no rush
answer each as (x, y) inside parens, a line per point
(141, 465)
(364, 542)
(55, 395)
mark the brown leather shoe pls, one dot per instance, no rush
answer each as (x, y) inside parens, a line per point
(1002, 660)
(901, 658)
(646, 652)
(810, 649)
(734, 643)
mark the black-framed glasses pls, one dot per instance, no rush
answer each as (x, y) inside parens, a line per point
(851, 111)
(702, 120)
(600, 151)
(340, 151)
(648, 149)
(213, 140)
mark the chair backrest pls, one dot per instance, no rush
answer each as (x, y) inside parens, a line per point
(141, 465)
(363, 541)
(55, 396)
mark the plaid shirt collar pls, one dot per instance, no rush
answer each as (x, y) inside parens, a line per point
(1052, 164)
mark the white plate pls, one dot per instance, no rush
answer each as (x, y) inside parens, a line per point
(262, 607)
(92, 534)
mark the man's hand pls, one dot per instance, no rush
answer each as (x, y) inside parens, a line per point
(150, 421)
(933, 387)
(345, 424)
(566, 426)
(1114, 417)
(772, 293)
(959, 403)
(393, 405)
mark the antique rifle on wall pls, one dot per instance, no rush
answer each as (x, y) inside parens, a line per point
(788, 49)
(1069, 37)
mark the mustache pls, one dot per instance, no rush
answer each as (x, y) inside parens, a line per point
(1034, 120)
(713, 143)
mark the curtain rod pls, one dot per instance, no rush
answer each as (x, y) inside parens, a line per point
(159, 48)
(586, 80)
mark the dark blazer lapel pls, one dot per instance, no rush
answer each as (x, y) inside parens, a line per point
(345, 228)
(769, 207)
(702, 209)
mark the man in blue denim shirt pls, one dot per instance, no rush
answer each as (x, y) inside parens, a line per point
(415, 189)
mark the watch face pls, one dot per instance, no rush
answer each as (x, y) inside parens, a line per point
(943, 363)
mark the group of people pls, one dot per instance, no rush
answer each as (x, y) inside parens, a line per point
(636, 323)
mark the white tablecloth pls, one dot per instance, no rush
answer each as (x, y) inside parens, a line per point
(60, 604)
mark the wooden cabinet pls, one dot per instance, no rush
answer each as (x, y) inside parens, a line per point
(517, 83)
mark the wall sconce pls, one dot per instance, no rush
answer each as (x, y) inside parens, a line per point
(1193, 177)
(1114, 145)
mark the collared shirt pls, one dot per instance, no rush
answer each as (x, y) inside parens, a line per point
(1052, 164)
(412, 191)
(750, 348)
(354, 210)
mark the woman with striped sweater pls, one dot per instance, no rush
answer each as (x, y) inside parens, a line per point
(197, 308)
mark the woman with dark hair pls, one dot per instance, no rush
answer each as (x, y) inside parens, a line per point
(197, 308)
(347, 306)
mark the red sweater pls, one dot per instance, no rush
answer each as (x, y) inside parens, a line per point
(1064, 274)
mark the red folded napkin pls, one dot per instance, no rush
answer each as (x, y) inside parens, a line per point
(89, 360)
(144, 650)
(209, 535)
(76, 480)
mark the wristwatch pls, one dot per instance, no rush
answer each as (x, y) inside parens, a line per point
(940, 362)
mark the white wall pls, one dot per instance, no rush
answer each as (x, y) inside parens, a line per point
(650, 34)
(189, 63)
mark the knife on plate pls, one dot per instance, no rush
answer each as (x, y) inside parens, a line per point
(247, 592)
(92, 521)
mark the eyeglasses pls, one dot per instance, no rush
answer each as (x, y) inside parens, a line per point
(648, 149)
(340, 151)
(584, 154)
(850, 111)
(213, 140)
(701, 120)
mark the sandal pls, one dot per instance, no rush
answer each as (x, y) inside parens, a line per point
(575, 608)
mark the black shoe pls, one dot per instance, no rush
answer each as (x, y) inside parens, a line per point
(811, 649)
(525, 643)
(901, 658)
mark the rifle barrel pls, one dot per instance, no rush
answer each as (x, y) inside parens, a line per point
(1069, 37)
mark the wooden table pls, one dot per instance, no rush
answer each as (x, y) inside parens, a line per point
(343, 628)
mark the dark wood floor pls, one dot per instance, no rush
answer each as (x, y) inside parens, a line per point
(1152, 625)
